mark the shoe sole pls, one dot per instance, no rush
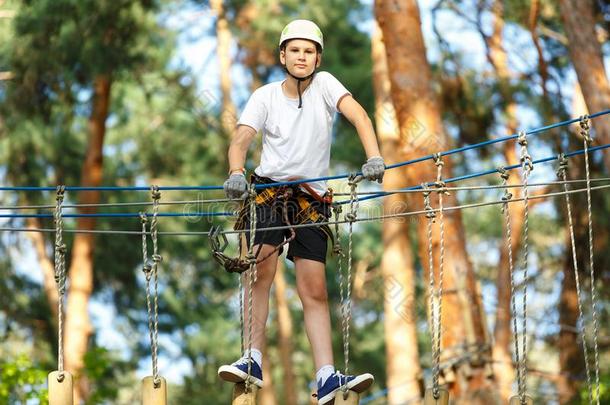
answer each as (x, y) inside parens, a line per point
(358, 385)
(234, 375)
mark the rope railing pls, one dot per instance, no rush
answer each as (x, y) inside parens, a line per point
(370, 196)
(316, 224)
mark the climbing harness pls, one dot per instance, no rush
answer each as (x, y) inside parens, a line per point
(60, 381)
(278, 198)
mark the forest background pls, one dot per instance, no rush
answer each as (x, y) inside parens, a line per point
(141, 92)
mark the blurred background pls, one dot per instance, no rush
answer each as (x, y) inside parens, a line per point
(140, 92)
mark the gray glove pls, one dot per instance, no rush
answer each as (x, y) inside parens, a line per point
(373, 169)
(236, 186)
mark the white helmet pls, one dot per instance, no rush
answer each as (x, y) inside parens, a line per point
(302, 29)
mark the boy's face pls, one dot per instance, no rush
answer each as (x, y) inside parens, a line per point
(300, 57)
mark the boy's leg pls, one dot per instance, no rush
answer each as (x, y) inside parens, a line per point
(238, 371)
(260, 297)
(311, 286)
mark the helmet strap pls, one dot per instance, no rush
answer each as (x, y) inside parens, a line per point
(299, 81)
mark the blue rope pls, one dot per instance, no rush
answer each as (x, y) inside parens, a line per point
(377, 195)
(122, 215)
(479, 174)
(114, 188)
(289, 183)
(492, 141)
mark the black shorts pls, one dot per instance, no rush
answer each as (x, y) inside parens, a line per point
(309, 242)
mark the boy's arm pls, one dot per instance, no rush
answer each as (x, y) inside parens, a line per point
(353, 111)
(239, 148)
(236, 185)
(374, 168)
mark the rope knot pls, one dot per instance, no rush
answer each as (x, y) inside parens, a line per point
(155, 193)
(252, 191)
(353, 180)
(438, 161)
(337, 249)
(143, 217)
(426, 191)
(251, 259)
(526, 161)
(507, 196)
(522, 138)
(504, 174)
(430, 214)
(157, 258)
(584, 129)
(562, 169)
(351, 216)
(61, 248)
(147, 268)
(441, 187)
(60, 193)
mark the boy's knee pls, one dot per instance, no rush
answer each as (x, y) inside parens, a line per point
(313, 293)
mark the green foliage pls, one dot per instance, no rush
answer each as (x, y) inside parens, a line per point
(604, 390)
(22, 380)
(101, 368)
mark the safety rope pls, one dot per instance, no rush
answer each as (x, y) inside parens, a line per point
(60, 277)
(587, 140)
(527, 166)
(440, 185)
(431, 215)
(252, 277)
(509, 241)
(345, 285)
(308, 225)
(151, 271)
(214, 200)
(562, 174)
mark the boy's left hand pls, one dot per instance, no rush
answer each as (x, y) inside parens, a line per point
(373, 169)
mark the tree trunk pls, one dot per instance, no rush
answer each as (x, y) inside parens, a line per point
(267, 393)
(285, 336)
(465, 334)
(400, 321)
(569, 346)
(586, 55)
(80, 275)
(504, 371)
(228, 118)
(46, 265)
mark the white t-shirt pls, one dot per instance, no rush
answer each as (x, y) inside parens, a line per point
(296, 141)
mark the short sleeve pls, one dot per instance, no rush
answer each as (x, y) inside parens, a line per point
(332, 89)
(255, 113)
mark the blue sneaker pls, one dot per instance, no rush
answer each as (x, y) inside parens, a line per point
(356, 383)
(238, 372)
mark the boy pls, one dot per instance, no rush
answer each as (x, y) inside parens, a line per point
(296, 117)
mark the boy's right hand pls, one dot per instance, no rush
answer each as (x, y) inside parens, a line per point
(236, 186)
